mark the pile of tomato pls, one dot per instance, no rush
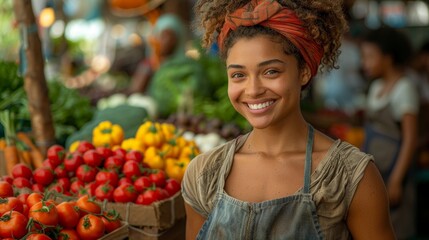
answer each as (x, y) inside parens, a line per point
(100, 172)
(36, 216)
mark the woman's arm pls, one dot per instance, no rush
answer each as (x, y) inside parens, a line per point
(368, 216)
(405, 157)
(194, 222)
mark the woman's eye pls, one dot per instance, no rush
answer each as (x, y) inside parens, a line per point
(271, 72)
(237, 75)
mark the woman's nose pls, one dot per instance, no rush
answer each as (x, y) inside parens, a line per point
(254, 86)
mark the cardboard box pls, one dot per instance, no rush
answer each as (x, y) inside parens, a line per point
(161, 215)
(176, 232)
(119, 234)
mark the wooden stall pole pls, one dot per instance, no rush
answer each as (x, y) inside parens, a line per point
(34, 77)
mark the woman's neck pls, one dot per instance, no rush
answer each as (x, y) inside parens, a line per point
(393, 74)
(290, 135)
(390, 77)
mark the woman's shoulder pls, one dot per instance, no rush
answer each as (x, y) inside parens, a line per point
(199, 184)
(212, 159)
(405, 86)
(344, 157)
(335, 182)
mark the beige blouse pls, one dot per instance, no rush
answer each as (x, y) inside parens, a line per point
(333, 183)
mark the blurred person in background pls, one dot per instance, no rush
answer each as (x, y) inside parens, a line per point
(166, 40)
(391, 119)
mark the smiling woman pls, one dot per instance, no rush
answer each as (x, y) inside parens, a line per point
(283, 179)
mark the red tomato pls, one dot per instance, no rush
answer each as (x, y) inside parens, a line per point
(86, 173)
(10, 203)
(68, 214)
(142, 183)
(104, 152)
(76, 185)
(43, 175)
(37, 187)
(73, 161)
(84, 146)
(56, 187)
(104, 192)
(34, 198)
(22, 170)
(131, 170)
(44, 212)
(7, 179)
(124, 180)
(88, 205)
(148, 197)
(6, 189)
(172, 186)
(56, 154)
(134, 155)
(114, 163)
(163, 194)
(125, 193)
(120, 152)
(68, 234)
(90, 227)
(92, 158)
(22, 197)
(60, 171)
(21, 182)
(111, 220)
(25, 209)
(48, 164)
(159, 178)
(64, 183)
(88, 189)
(13, 225)
(107, 176)
(38, 236)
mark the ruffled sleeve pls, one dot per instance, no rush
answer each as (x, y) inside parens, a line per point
(199, 184)
(335, 182)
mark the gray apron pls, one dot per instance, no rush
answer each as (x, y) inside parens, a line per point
(293, 217)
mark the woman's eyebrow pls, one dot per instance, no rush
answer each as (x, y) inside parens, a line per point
(235, 66)
(268, 62)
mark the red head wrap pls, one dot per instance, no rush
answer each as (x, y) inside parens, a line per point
(269, 13)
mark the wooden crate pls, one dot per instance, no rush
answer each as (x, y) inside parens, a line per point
(176, 232)
(119, 234)
(161, 215)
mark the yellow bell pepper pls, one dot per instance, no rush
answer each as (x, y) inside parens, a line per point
(189, 152)
(107, 134)
(73, 146)
(173, 147)
(133, 144)
(150, 134)
(176, 168)
(143, 129)
(169, 130)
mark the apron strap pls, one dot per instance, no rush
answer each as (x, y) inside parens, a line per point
(308, 153)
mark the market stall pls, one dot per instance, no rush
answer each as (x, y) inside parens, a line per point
(83, 143)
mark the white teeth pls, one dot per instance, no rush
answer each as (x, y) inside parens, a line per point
(260, 105)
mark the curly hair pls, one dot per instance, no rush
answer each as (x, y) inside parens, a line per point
(323, 19)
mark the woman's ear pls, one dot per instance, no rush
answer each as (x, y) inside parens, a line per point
(305, 75)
